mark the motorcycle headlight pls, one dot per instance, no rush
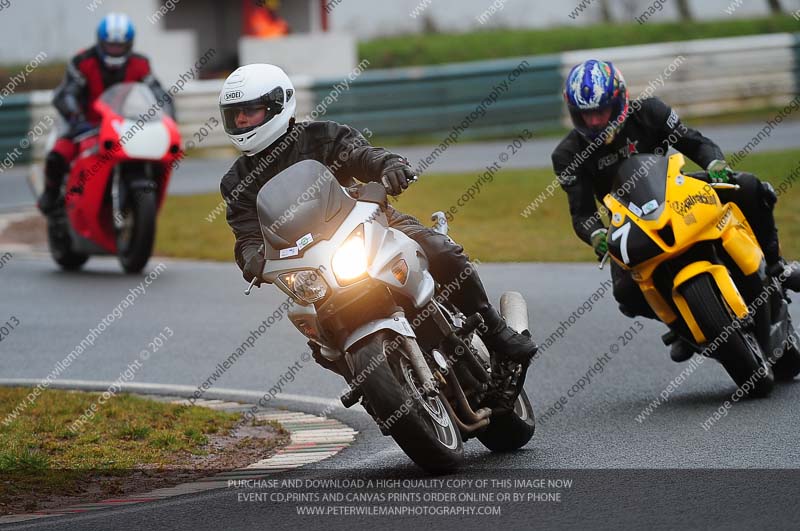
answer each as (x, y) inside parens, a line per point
(350, 259)
(306, 285)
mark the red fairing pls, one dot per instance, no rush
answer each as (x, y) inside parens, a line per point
(87, 194)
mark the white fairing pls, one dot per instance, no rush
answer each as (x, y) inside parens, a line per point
(152, 142)
(384, 245)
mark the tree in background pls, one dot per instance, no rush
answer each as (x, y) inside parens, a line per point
(683, 10)
(775, 6)
(605, 12)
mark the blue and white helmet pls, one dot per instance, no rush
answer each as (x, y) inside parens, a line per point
(115, 39)
(596, 86)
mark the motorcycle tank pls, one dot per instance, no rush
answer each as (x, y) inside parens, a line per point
(641, 184)
(304, 199)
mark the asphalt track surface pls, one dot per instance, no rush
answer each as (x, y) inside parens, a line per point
(203, 175)
(664, 472)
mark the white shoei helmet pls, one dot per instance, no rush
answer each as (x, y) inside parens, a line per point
(248, 91)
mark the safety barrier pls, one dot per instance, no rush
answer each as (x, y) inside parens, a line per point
(15, 122)
(495, 98)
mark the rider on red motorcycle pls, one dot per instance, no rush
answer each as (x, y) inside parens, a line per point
(89, 73)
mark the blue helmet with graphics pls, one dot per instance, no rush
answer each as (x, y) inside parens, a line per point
(597, 98)
(115, 39)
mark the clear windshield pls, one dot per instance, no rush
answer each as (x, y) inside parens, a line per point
(304, 199)
(130, 100)
(641, 183)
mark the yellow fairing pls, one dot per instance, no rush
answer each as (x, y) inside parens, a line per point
(694, 213)
(725, 284)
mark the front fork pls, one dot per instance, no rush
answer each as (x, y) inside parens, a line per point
(117, 199)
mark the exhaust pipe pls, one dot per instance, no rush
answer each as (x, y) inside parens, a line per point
(514, 310)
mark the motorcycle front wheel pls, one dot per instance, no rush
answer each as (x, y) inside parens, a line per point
(421, 426)
(135, 239)
(741, 354)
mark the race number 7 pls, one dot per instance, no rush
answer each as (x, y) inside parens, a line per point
(623, 233)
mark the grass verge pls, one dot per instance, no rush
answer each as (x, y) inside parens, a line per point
(439, 48)
(130, 443)
(490, 227)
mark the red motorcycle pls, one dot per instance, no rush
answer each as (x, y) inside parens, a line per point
(118, 182)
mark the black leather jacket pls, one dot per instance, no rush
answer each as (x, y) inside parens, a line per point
(343, 149)
(653, 128)
(86, 78)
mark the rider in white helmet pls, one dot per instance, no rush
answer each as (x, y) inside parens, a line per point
(253, 118)
(258, 104)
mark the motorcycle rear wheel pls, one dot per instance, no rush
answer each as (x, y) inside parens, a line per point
(741, 355)
(788, 365)
(510, 431)
(421, 426)
(507, 431)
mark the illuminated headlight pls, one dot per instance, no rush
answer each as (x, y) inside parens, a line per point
(350, 259)
(306, 285)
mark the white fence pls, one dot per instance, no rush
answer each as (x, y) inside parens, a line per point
(698, 78)
(715, 75)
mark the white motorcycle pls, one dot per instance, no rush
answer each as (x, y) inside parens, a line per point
(365, 298)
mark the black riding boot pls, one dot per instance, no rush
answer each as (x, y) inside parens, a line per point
(48, 201)
(681, 351)
(788, 273)
(55, 169)
(506, 343)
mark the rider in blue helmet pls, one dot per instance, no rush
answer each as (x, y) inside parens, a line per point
(115, 35)
(609, 128)
(88, 75)
(597, 99)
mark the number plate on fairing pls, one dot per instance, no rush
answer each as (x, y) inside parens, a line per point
(631, 245)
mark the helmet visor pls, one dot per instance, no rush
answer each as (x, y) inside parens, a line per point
(242, 117)
(592, 123)
(116, 49)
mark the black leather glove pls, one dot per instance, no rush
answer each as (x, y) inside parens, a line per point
(395, 177)
(600, 243)
(720, 172)
(254, 267)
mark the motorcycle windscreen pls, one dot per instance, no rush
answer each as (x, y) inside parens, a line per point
(300, 206)
(132, 101)
(641, 184)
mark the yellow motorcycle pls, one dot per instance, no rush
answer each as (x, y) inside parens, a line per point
(701, 270)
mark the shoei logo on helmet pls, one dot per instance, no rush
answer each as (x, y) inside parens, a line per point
(233, 95)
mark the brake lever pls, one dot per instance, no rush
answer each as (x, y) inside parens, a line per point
(725, 186)
(604, 261)
(250, 287)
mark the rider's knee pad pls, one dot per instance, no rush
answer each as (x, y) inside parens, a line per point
(767, 195)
